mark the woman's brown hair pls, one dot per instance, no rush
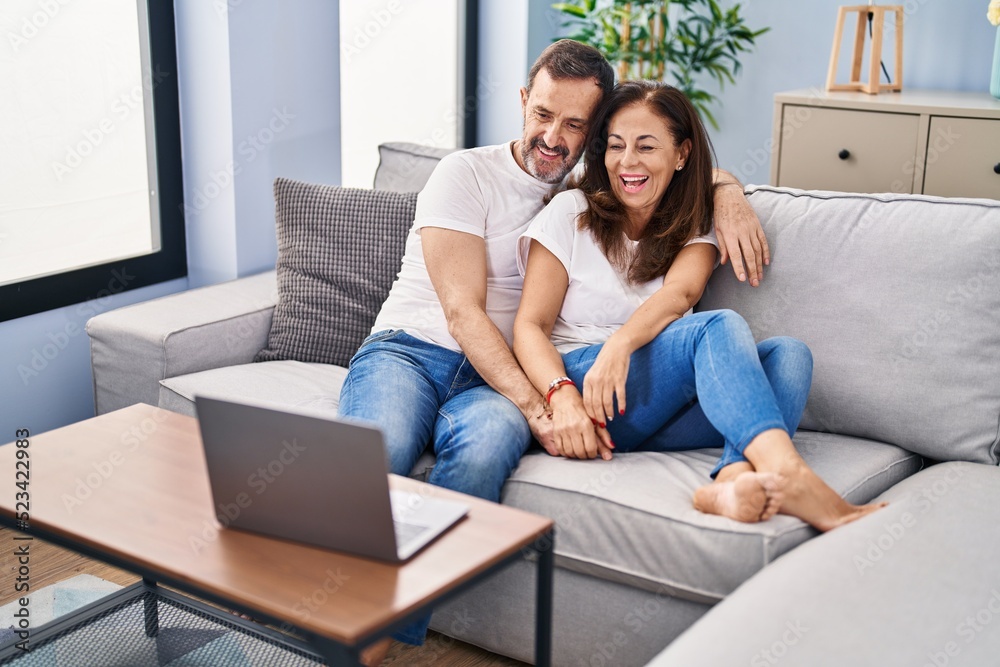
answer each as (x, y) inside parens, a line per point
(686, 208)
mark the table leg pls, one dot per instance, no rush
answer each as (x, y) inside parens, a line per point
(335, 654)
(545, 547)
(151, 614)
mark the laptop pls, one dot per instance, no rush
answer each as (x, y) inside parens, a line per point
(312, 479)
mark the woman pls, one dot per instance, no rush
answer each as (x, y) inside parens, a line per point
(611, 272)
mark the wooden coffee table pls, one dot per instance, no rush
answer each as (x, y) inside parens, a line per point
(130, 488)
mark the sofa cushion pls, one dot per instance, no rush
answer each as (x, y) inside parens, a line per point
(913, 584)
(404, 167)
(897, 297)
(631, 520)
(339, 250)
(279, 384)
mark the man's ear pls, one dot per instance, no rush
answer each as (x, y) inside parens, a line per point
(524, 99)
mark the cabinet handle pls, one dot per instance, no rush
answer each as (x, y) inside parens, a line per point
(844, 154)
(996, 168)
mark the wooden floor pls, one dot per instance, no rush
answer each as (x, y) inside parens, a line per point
(51, 564)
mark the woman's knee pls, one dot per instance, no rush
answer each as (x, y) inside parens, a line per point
(790, 350)
(730, 321)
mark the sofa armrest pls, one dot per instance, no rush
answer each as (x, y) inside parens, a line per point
(135, 347)
(908, 585)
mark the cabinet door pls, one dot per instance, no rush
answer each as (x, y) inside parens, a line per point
(849, 151)
(963, 157)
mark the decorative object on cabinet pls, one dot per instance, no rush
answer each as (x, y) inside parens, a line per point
(874, 16)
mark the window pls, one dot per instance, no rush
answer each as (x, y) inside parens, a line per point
(90, 181)
(407, 73)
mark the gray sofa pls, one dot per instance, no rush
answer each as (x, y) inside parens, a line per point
(898, 297)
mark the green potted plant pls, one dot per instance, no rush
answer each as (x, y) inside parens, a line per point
(654, 39)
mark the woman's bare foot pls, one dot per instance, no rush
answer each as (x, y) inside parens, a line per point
(808, 497)
(750, 497)
(374, 655)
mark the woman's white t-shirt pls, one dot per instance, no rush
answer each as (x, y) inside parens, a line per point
(599, 298)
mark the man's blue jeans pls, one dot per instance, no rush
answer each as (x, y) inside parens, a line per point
(421, 394)
(703, 382)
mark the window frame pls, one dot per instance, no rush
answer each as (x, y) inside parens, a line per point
(44, 293)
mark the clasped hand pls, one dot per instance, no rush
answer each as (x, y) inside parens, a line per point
(580, 421)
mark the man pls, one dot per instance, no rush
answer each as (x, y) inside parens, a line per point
(438, 368)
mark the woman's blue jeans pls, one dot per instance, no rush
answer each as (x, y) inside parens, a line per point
(703, 382)
(419, 395)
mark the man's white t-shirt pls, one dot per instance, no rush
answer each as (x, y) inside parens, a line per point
(599, 298)
(467, 190)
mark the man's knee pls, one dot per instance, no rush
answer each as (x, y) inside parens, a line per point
(491, 430)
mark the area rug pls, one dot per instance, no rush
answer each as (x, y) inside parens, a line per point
(185, 638)
(55, 600)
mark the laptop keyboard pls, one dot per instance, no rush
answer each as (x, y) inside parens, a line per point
(407, 532)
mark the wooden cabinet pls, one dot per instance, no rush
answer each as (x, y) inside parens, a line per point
(935, 143)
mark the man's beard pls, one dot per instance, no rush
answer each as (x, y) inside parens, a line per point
(547, 172)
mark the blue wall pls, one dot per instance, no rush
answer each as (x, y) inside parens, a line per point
(503, 68)
(260, 98)
(45, 379)
(259, 85)
(948, 45)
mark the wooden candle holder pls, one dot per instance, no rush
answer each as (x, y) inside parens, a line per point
(873, 85)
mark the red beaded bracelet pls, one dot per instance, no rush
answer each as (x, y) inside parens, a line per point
(555, 384)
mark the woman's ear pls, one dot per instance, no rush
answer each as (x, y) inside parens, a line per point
(685, 150)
